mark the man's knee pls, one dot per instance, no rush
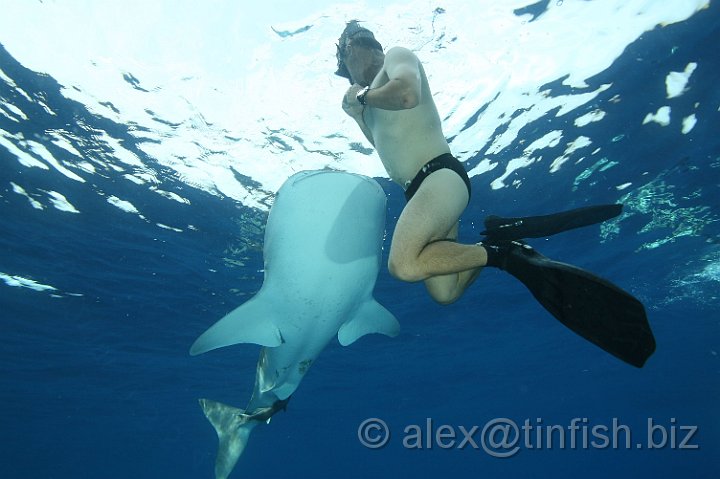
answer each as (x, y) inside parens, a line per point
(443, 296)
(404, 270)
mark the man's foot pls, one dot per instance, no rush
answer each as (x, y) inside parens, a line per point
(498, 251)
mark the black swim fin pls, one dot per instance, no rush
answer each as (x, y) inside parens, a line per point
(498, 228)
(589, 305)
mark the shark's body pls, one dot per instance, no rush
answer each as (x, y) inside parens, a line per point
(322, 254)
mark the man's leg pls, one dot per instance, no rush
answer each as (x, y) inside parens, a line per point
(423, 246)
(446, 289)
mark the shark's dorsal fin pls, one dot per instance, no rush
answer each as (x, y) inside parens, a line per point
(370, 318)
(249, 323)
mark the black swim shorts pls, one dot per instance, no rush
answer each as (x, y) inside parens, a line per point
(443, 161)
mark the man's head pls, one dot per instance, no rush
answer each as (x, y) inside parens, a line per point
(354, 36)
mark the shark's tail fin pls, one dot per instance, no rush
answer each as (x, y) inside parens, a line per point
(233, 428)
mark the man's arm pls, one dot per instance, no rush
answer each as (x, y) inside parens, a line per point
(402, 91)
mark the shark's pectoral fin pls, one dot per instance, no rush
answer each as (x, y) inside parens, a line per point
(250, 323)
(370, 318)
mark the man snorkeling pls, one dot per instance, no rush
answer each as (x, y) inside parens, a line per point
(391, 101)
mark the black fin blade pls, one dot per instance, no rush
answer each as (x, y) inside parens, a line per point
(591, 306)
(499, 228)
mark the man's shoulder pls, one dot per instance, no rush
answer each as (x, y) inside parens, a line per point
(401, 57)
(401, 52)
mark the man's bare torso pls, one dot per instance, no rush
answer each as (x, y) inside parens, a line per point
(407, 139)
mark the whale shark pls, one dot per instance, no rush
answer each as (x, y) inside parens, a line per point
(322, 254)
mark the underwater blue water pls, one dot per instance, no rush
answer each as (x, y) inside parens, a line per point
(96, 377)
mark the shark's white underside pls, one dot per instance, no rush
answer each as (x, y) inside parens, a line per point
(323, 245)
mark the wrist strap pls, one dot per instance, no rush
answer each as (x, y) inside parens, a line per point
(361, 95)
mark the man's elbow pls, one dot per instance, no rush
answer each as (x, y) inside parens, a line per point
(406, 93)
(410, 99)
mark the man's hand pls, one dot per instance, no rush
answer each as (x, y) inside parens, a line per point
(350, 104)
(353, 108)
